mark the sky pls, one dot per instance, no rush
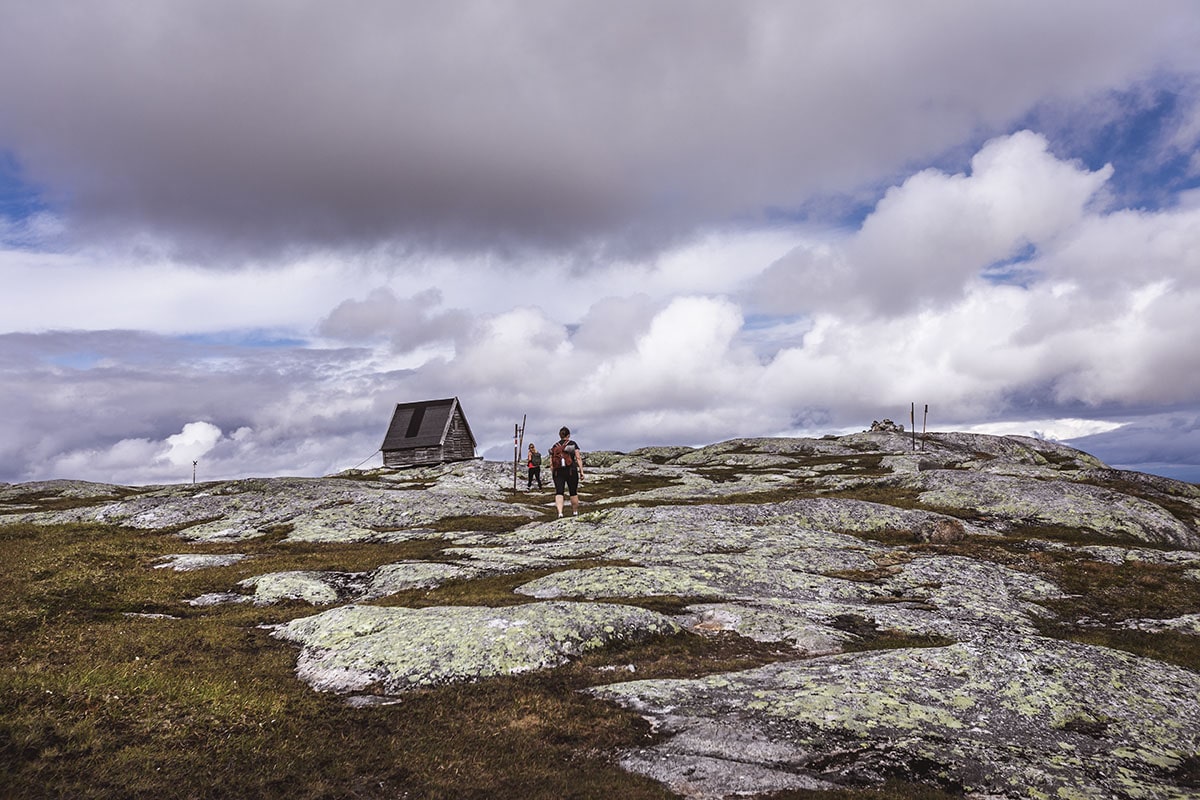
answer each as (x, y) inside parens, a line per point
(238, 233)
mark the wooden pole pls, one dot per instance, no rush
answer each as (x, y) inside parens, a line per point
(515, 446)
(924, 423)
(912, 420)
(520, 447)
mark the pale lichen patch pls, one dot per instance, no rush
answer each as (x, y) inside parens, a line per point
(352, 647)
(1057, 711)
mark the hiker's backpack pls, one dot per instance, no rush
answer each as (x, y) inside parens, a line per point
(563, 455)
(536, 459)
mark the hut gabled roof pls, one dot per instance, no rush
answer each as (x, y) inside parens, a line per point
(423, 424)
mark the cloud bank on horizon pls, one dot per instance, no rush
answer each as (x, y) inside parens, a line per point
(238, 233)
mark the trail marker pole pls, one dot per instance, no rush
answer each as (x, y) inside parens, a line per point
(912, 419)
(194, 473)
(924, 423)
(517, 453)
(516, 434)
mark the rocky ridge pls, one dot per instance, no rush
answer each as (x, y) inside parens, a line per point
(920, 593)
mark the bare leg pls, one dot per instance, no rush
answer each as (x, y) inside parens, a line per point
(574, 504)
(558, 503)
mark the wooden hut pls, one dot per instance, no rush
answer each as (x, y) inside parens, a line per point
(428, 432)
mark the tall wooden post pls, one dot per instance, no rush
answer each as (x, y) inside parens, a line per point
(924, 423)
(520, 443)
(912, 421)
(515, 446)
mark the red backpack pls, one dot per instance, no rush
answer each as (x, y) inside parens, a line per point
(563, 455)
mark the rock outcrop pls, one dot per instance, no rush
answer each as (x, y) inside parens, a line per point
(924, 595)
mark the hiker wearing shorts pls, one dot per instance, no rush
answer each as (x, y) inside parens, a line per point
(566, 461)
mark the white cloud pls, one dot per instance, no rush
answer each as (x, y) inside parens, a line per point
(522, 351)
(97, 290)
(1056, 430)
(683, 361)
(1110, 252)
(137, 460)
(193, 442)
(408, 323)
(932, 236)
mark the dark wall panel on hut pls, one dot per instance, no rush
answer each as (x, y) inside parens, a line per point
(458, 440)
(413, 457)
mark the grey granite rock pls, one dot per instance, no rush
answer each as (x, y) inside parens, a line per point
(304, 509)
(1030, 501)
(353, 647)
(1002, 716)
(186, 562)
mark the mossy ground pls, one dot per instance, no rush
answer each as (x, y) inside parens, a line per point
(100, 701)
(890, 790)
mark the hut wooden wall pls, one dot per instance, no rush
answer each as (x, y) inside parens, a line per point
(458, 447)
(458, 440)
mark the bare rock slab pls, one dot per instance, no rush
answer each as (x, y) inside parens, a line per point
(1032, 501)
(1018, 716)
(354, 647)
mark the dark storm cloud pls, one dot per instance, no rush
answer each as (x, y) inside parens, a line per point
(507, 125)
(1167, 444)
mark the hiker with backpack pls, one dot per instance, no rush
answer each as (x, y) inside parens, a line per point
(534, 462)
(566, 463)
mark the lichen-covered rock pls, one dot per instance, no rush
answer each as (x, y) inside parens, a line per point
(404, 575)
(1113, 554)
(325, 587)
(1011, 500)
(317, 588)
(777, 572)
(26, 493)
(1188, 623)
(1004, 716)
(817, 528)
(690, 485)
(219, 598)
(317, 509)
(768, 623)
(186, 562)
(660, 453)
(353, 647)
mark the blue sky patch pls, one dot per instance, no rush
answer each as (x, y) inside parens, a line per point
(18, 199)
(81, 360)
(258, 339)
(1015, 270)
(1133, 131)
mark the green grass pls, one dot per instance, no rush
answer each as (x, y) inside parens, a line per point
(99, 703)
(892, 789)
(202, 708)
(479, 522)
